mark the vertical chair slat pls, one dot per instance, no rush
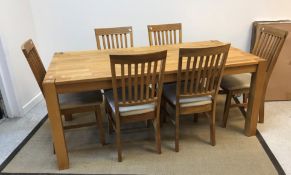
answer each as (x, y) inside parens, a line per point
(154, 78)
(198, 80)
(175, 37)
(193, 74)
(129, 88)
(103, 41)
(159, 37)
(108, 41)
(121, 40)
(112, 41)
(205, 73)
(117, 41)
(180, 36)
(123, 84)
(148, 79)
(142, 81)
(135, 81)
(125, 40)
(164, 33)
(262, 44)
(113, 37)
(272, 44)
(171, 37)
(167, 38)
(210, 75)
(187, 75)
(267, 46)
(155, 36)
(98, 42)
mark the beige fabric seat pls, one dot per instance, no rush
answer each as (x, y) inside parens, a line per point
(170, 94)
(128, 110)
(237, 81)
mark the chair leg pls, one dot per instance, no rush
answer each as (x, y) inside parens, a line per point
(212, 128)
(110, 127)
(156, 123)
(262, 113)
(162, 112)
(109, 115)
(118, 142)
(100, 125)
(195, 118)
(177, 131)
(226, 108)
(68, 117)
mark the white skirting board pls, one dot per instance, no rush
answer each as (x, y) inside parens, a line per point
(31, 103)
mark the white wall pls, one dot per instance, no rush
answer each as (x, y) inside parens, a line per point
(16, 26)
(68, 24)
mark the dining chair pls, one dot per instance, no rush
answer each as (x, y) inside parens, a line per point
(137, 82)
(268, 44)
(70, 103)
(163, 34)
(199, 75)
(113, 38)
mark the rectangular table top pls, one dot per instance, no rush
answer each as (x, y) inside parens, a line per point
(94, 65)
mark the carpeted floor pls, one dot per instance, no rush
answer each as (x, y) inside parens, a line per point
(233, 154)
(276, 131)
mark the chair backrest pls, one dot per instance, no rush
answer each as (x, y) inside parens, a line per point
(200, 71)
(165, 34)
(140, 78)
(34, 61)
(112, 38)
(268, 45)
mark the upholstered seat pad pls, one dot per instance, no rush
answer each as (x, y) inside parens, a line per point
(237, 81)
(169, 92)
(72, 100)
(128, 110)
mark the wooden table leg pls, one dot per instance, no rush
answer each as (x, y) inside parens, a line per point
(255, 99)
(56, 124)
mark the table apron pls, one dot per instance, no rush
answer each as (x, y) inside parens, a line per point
(107, 84)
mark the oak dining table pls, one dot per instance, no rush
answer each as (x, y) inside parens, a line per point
(90, 70)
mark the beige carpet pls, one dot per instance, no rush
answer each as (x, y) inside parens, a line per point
(233, 154)
(276, 131)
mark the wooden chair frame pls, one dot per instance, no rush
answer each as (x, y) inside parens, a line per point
(114, 38)
(200, 76)
(140, 82)
(165, 34)
(30, 52)
(268, 44)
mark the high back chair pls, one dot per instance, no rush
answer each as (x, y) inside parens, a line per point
(164, 34)
(70, 103)
(114, 38)
(268, 45)
(198, 79)
(137, 82)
